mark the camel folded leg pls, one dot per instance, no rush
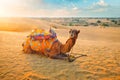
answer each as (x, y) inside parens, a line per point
(64, 57)
(55, 54)
(59, 56)
(27, 48)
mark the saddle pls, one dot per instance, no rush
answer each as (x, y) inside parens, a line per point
(41, 40)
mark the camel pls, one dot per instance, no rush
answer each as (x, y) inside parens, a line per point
(57, 49)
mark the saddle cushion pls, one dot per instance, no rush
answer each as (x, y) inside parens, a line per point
(40, 40)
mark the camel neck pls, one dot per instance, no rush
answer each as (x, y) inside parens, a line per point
(68, 45)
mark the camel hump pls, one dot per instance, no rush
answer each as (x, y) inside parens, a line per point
(40, 40)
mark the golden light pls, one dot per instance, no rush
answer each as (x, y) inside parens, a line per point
(7, 7)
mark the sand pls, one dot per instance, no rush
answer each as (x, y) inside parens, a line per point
(101, 45)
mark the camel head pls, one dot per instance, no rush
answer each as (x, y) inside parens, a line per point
(74, 33)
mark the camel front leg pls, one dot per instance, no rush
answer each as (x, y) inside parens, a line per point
(64, 57)
(58, 56)
(54, 54)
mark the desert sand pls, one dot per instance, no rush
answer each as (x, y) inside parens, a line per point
(101, 45)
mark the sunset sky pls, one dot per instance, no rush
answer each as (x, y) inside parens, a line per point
(59, 8)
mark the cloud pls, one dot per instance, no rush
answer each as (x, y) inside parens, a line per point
(101, 3)
(99, 10)
(34, 8)
(42, 8)
(99, 6)
(63, 12)
(74, 6)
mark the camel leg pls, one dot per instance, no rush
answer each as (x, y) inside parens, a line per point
(59, 56)
(55, 54)
(27, 48)
(64, 55)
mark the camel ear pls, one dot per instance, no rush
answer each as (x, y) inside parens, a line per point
(78, 31)
(70, 30)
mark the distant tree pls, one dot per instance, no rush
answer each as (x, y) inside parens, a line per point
(98, 21)
(115, 22)
(105, 25)
(70, 24)
(112, 20)
(94, 24)
(107, 18)
(85, 25)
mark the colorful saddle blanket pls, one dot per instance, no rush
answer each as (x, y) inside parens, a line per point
(40, 34)
(40, 40)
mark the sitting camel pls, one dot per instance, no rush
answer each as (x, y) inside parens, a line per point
(57, 49)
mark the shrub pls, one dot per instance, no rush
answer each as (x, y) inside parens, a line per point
(112, 20)
(98, 21)
(115, 22)
(105, 24)
(70, 24)
(85, 25)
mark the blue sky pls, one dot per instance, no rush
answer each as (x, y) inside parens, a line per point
(59, 8)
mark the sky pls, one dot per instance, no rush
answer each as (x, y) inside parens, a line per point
(59, 8)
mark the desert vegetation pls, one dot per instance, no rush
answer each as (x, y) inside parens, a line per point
(106, 22)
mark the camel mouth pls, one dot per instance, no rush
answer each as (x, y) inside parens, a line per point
(72, 36)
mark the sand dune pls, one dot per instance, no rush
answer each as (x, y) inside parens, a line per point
(102, 47)
(25, 24)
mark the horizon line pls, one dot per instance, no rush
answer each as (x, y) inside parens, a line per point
(55, 17)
